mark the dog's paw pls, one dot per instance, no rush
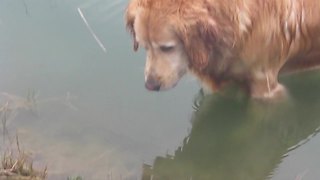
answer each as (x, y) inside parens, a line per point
(278, 94)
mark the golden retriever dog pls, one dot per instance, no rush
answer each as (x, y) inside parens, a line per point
(249, 42)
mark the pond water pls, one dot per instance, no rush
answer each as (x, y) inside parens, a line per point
(78, 104)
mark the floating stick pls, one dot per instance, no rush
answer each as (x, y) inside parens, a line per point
(91, 31)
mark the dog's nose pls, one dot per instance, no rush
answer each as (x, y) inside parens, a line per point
(152, 84)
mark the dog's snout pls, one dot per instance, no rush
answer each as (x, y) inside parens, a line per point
(152, 83)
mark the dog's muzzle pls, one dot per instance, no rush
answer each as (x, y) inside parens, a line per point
(152, 83)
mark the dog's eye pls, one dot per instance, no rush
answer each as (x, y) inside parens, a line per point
(166, 48)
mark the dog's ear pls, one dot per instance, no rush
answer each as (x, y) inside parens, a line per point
(198, 39)
(130, 16)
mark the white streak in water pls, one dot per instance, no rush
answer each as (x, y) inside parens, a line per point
(91, 31)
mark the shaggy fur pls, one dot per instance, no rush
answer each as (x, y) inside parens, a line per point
(244, 41)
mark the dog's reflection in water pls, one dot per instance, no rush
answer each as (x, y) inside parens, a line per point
(236, 138)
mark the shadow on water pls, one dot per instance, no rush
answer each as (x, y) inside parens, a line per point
(240, 139)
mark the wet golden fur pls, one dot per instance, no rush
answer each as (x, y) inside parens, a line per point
(244, 41)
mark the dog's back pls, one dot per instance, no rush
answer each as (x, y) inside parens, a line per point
(305, 36)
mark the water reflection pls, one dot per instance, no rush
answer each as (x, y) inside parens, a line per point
(239, 139)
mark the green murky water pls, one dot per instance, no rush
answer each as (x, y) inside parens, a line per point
(75, 87)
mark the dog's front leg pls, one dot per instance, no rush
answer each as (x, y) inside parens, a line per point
(264, 85)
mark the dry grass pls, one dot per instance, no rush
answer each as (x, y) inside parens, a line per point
(16, 164)
(19, 165)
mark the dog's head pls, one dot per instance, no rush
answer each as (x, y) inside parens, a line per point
(175, 35)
